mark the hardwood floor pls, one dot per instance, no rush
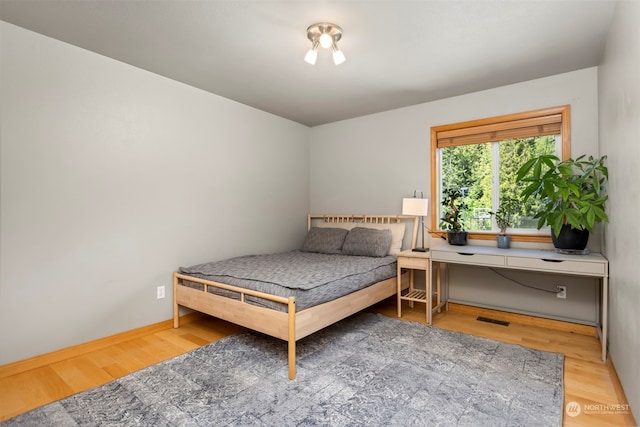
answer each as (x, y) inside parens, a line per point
(590, 383)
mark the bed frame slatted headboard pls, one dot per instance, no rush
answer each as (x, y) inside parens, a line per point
(369, 219)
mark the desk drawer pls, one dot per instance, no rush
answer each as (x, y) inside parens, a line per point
(463, 257)
(561, 266)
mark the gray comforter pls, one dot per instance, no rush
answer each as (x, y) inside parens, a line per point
(312, 278)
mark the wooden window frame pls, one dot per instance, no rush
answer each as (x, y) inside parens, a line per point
(490, 130)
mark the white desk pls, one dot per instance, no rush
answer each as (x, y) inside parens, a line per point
(594, 265)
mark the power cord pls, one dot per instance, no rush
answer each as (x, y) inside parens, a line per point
(523, 284)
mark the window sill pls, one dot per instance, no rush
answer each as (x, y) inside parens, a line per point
(487, 235)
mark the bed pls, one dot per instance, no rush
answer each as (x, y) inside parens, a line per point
(342, 268)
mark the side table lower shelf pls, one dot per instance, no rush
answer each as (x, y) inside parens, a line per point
(415, 296)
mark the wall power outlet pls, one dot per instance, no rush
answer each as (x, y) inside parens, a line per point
(561, 292)
(160, 292)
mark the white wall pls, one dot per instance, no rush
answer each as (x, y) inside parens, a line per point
(112, 177)
(619, 90)
(369, 164)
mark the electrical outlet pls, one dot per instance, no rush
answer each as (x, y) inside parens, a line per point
(160, 292)
(561, 292)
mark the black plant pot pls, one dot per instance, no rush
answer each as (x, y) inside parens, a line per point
(570, 239)
(457, 238)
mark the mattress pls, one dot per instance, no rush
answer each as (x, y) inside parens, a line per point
(312, 278)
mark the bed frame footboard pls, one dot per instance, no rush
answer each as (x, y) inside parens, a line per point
(278, 324)
(286, 325)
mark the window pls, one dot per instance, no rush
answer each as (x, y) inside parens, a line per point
(480, 159)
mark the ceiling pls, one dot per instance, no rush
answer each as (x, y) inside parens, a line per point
(399, 53)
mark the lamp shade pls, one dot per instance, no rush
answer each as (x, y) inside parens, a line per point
(415, 206)
(312, 54)
(338, 56)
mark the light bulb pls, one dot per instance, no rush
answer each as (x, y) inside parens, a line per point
(326, 40)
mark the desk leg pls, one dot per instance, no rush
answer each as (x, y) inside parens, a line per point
(429, 285)
(428, 292)
(442, 286)
(399, 282)
(605, 316)
(446, 283)
(439, 292)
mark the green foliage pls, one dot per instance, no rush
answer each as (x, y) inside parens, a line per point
(454, 208)
(571, 191)
(472, 166)
(467, 166)
(513, 155)
(506, 214)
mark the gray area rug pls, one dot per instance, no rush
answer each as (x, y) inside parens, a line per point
(365, 370)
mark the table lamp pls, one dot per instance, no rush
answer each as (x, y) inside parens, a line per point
(419, 207)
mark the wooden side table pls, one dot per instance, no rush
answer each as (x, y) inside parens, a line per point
(415, 261)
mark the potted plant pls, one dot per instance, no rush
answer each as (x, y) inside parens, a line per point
(452, 220)
(505, 218)
(572, 196)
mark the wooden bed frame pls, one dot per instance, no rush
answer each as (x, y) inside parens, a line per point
(289, 326)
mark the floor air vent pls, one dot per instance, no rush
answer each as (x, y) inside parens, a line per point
(497, 322)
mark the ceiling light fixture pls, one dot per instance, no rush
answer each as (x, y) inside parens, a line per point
(326, 35)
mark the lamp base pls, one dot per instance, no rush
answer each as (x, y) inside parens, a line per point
(420, 250)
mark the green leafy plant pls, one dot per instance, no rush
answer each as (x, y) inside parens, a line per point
(506, 214)
(572, 191)
(454, 208)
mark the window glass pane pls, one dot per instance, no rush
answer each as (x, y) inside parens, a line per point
(513, 154)
(478, 172)
(467, 168)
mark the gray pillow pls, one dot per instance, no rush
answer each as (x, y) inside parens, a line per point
(367, 242)
(324, 240)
